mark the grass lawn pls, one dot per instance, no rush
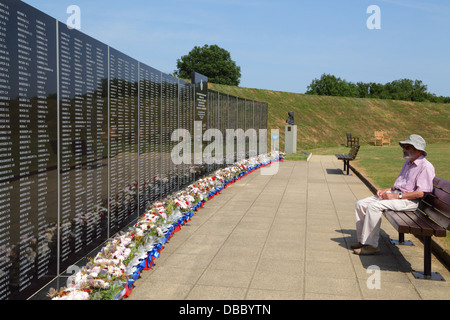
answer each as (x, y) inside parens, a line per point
(381, 165)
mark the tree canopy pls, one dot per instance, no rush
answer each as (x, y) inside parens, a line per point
(211, 61)
(403, 89)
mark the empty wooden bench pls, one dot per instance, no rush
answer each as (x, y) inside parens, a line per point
(381, 138)
(432, 218)
(352, 140)
(348, 157)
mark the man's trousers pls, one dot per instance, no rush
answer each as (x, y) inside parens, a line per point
(368, 213)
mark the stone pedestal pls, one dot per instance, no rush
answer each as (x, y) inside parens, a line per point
(290, 137)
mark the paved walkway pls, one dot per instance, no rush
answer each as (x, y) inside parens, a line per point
(285, 237)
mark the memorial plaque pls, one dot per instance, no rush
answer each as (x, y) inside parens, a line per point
(28, 152)
(83, 72)
(149, 135)
(123, 128)
(201, 98)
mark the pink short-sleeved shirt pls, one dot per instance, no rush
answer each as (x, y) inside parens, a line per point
(416, 176)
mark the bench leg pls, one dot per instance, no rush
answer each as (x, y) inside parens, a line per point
(427, 274)
(401, 241)
(348, 166)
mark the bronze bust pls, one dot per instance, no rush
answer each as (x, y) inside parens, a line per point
(290, 120)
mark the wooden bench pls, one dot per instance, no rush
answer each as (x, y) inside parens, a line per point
(352, 140)
(381, 138)
(432, 218)
(348, 157)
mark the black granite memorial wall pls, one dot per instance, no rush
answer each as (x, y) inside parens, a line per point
(86, 143)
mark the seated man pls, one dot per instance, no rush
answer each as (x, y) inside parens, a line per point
(413, 182)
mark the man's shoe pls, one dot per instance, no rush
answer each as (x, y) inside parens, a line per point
(356, 245)
(366, 250)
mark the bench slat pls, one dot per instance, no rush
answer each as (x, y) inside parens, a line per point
(443, 195)
(442, 184)
(414, 228)
(429, 206)
(398, 223)
(442, 191)
(424, 228)
(438, 230)
(440, 199)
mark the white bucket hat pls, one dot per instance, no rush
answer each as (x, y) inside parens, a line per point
(417, 142)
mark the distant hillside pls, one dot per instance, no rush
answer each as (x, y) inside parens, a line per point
(323, 121)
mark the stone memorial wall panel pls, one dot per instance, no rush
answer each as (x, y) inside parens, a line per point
(83, 73)
(241, 141)
(223, 123)
(123, 128)
(258, 121)
(190, 116)
(185, 123)
(169, 122)
(28, 149)
(218, 126)
(209, 124)
(241, 113)
(251, 138)
(232, 124)
(149, 135)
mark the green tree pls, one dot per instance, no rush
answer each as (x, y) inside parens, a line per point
(329, 85)
(363, 89)
(211, 61)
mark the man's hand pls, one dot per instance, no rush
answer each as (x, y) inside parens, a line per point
(382, 192)
(389, 196)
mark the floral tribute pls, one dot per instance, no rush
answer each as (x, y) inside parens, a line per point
(111, 274)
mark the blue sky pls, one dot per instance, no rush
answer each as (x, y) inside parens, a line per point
(279, 44)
